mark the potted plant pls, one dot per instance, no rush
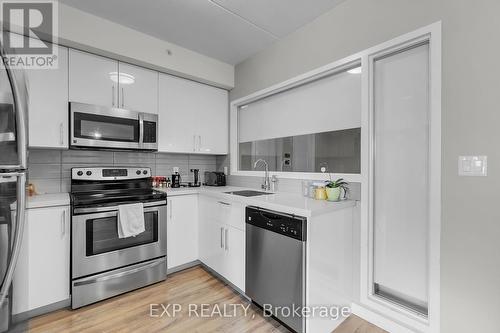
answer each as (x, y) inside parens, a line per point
(334, 189)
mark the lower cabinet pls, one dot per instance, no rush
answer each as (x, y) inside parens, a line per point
(182, 230)
(234, 244)
(222, 245)
(43, 271)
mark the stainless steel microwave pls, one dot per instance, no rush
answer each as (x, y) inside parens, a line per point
(99, 127)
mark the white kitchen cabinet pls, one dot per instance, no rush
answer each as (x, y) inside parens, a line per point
(138, 88)
(182, 230)
(212, 120)
(235, 256)
(175, 116)
(43, 271)
(211, 233)
(194, 115)
(48, 101)
(222, 245)
(93, 79)
(48, 104)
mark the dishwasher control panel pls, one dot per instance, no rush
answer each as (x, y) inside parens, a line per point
(281, 223)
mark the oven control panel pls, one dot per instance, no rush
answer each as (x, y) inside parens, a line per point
(109, 173)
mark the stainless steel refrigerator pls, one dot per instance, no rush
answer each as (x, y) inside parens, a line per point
(13, 169)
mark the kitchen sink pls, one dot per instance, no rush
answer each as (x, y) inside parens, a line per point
(248, 193)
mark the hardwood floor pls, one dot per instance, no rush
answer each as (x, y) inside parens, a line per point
(131, 312)
(354, 324)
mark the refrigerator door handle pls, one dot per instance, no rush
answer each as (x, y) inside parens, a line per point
(18, 233)
(20, 94)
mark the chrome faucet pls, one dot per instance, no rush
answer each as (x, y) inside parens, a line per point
(267, 184)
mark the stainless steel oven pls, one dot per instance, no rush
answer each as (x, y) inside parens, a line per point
(103, 264)
(93, 126)
(97, 247)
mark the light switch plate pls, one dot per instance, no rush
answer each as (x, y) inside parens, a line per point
(472, 166)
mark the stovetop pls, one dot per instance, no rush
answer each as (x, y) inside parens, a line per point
(97, 187)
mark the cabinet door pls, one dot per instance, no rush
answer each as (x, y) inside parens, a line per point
(42, 276)
(212, 120)
(48, 104)
(176, 115)
(93, 79)
(235, 256)
(231, 213)
(182, 230)
(138, 88)
(211, 234)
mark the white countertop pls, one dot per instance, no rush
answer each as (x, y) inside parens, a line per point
(283, 202)
(47, 200)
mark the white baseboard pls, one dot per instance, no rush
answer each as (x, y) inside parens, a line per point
(379, 320)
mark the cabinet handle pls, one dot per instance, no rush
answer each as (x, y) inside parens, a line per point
(63, 223)
(199, 142)
(222, 237)
(61, 134)
(123, 98)
(113, 95)
(170, 209)
(226, 243)
(224, 203)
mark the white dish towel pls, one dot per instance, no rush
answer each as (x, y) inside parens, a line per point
(130, 220)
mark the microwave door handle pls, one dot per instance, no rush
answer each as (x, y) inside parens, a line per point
(141, 130)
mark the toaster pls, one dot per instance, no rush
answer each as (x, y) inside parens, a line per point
(213, 178)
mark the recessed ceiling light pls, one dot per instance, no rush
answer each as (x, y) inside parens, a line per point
(122, 78)
(356, 70)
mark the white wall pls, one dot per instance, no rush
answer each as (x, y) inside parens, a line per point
(91, 33)
(471, 83)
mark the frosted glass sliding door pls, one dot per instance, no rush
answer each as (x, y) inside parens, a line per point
(401, 161)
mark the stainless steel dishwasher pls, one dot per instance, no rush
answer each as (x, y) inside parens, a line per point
(275, 263)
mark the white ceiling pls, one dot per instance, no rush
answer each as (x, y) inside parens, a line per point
(228, 30)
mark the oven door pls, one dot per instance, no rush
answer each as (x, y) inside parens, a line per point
(97, 247)
(101, 127)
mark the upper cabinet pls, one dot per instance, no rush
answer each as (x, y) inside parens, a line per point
(48, 104)
(212, 120)
(47, 101)
(193, 117)
(102, 81)
(138, 88)
(93, 79)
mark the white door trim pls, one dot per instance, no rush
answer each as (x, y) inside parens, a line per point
(431, 34)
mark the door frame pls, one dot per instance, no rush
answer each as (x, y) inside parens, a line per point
(368, 301)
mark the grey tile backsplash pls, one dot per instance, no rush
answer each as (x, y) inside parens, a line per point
(50, 170)
(284, 184)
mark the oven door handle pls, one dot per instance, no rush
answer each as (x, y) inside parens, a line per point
(113, 210)
(120, 274)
